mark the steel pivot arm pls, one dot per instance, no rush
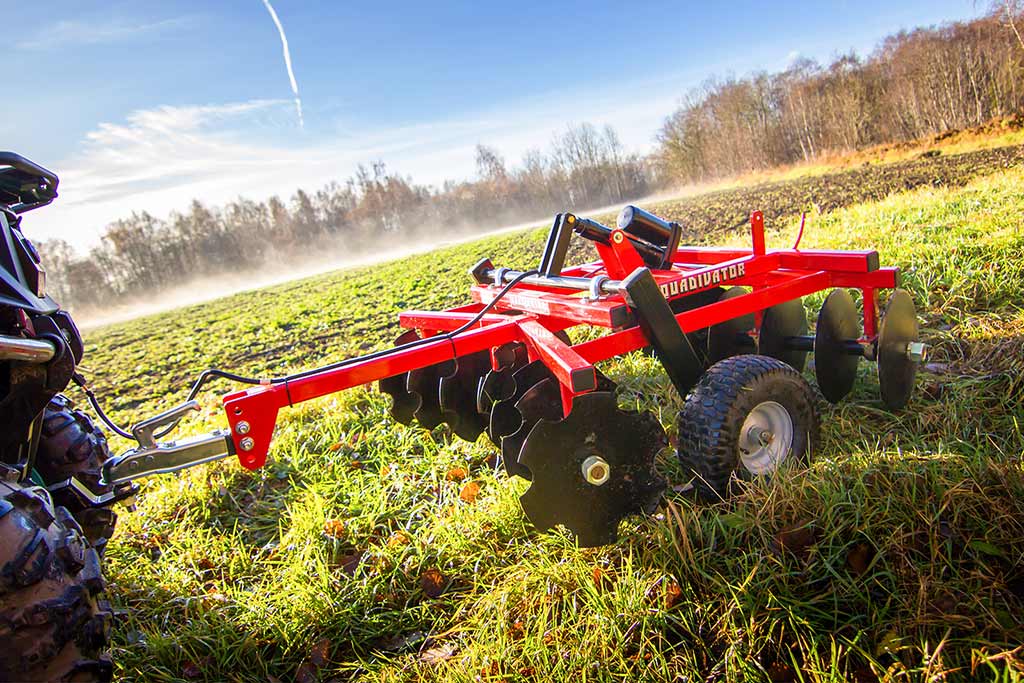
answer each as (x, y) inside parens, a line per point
(155, 458)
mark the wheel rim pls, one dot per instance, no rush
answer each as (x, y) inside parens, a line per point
(766, 438)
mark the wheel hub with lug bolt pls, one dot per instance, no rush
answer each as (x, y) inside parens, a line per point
(766, 437)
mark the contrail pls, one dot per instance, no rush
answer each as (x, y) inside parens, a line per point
(287, 60)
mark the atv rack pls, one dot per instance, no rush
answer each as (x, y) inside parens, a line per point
(504, 365)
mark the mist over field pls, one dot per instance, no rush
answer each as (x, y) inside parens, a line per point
(202, 289)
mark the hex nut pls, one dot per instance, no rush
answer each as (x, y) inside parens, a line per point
(596, 470)
(242, 427)
(246, 444)
(917, 351)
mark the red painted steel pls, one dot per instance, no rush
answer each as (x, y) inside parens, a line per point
(531, 314)
(757, 232)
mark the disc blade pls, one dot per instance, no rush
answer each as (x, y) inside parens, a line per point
(403, 403)
(543, 401)
(624, 443)
(505, 417)
(788, 319)
(834, 368)
(498, 385)
(730, 338)
(896, 371)
(426, 383)
(458, 395)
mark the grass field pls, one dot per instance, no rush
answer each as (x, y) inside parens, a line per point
(368, 550)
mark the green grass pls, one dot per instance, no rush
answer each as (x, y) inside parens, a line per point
(897, 554)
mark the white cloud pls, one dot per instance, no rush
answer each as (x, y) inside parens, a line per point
(66, 33)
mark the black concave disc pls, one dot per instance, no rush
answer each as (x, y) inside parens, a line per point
(458, 395)
(788, 319)
(498, 385)
(426, 383)
(726, 339)
(403, 403)
(555, 453)
(511, 355)
(835, 368)
(542, 401)
(896, 370)
(505, 417)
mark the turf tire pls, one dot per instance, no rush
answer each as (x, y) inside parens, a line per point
(54, 623)
(72, 446)
(715, 411)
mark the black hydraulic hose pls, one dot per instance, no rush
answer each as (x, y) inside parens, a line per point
(211, 373)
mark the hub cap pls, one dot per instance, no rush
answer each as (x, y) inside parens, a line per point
(766, 438)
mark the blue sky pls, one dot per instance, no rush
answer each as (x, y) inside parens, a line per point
(144, 105)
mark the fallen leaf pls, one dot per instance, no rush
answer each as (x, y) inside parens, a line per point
(349, 563)
(385, 471)
(398, 538)
(601, 578)
(859, 558)
(335, 447)
(527, 672)
(781, 672)
(191, 670)
(796, 539)
(306, 673)
(432, 582)
(356, 464)
(517, 629)
(437, 654)
(335, 528)
(490, 669)
(469, 491)
(456, 474)
(673, 594)
(319, 656)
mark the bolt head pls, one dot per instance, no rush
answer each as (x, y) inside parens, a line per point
(917, 351)
(596, 470)
(246, 444)
(242, 427)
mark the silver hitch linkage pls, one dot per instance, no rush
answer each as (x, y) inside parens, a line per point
(156, 458)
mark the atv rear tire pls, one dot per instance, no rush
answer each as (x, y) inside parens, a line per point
(72, 446)
(54, 624)
(745, 417)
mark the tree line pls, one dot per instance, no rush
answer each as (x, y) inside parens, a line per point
(914, 84)
(142, 254)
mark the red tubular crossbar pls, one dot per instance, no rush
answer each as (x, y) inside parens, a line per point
(532, 313)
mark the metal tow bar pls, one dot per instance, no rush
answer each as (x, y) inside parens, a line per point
(152, 457)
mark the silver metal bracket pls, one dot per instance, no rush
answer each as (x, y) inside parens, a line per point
(157, 458)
